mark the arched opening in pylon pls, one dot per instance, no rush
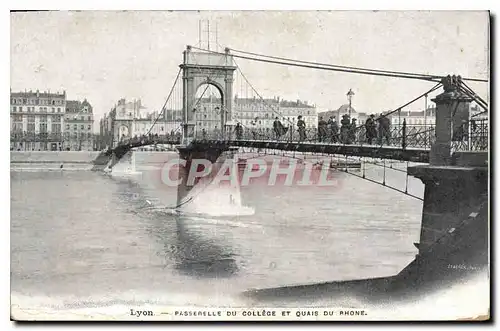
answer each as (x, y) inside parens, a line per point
(208, 107)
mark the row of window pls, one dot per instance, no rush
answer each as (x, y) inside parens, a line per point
(78, 134)
(56, 127)
(31, 118)
(248, 116)
(249, 123)
(249, 113)
(291, 112)
(35, 101)
(33, 109)
(76, 118)
(147, 129)
(82, 127)
(55, 132)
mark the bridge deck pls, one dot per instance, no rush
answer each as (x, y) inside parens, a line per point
(386, 152)
(364, 150)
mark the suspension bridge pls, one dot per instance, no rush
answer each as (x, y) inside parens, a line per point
(452, 155)
(226, 125)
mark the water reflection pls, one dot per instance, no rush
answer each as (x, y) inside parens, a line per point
(200, 256)
(186, 243)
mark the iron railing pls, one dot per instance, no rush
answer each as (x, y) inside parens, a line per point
(152, 139)
(471, 138)
(474, 137)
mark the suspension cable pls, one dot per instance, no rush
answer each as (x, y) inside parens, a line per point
(378, 165)
(472, 91)
(165, 104)
(258, 94)
(475, 97)
(340, 69)
(391, 112)
(354, 68)
(364, 168)
(334, 65)
(384, 173)
(407, 175)
(354, 174)
(390, 187)
(479, 114)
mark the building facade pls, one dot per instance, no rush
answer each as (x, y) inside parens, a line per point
(79, 126)
(106, 130)
(44, 121)
(154, 125)
(37, 120)
(415, 118)
(128, 119)
(254, 113)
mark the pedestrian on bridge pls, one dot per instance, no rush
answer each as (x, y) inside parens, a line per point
(334, 129)
(239, 131)
(345, 128)
(371, 129)
(460, 133)
(278, 128)
(352, 130)
(322, 129)
(384, 129)
(301, 127)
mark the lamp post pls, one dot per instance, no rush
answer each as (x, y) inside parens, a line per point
(349, 97)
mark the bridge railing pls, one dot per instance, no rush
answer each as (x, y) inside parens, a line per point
(151, 140)
(474, 137)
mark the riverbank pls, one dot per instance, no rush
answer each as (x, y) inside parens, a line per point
(51, 160)
(83, 157)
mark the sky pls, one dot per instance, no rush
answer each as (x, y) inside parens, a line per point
(107, 55)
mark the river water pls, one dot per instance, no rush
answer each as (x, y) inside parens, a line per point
(83, 239)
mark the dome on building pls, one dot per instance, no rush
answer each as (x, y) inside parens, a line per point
(345, 109)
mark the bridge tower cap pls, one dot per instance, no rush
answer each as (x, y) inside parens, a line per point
(450, 83)
(188, 47)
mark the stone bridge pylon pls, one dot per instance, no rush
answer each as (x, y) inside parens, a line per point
(200, 68)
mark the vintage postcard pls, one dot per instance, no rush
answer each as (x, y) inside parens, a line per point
(249, 165)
